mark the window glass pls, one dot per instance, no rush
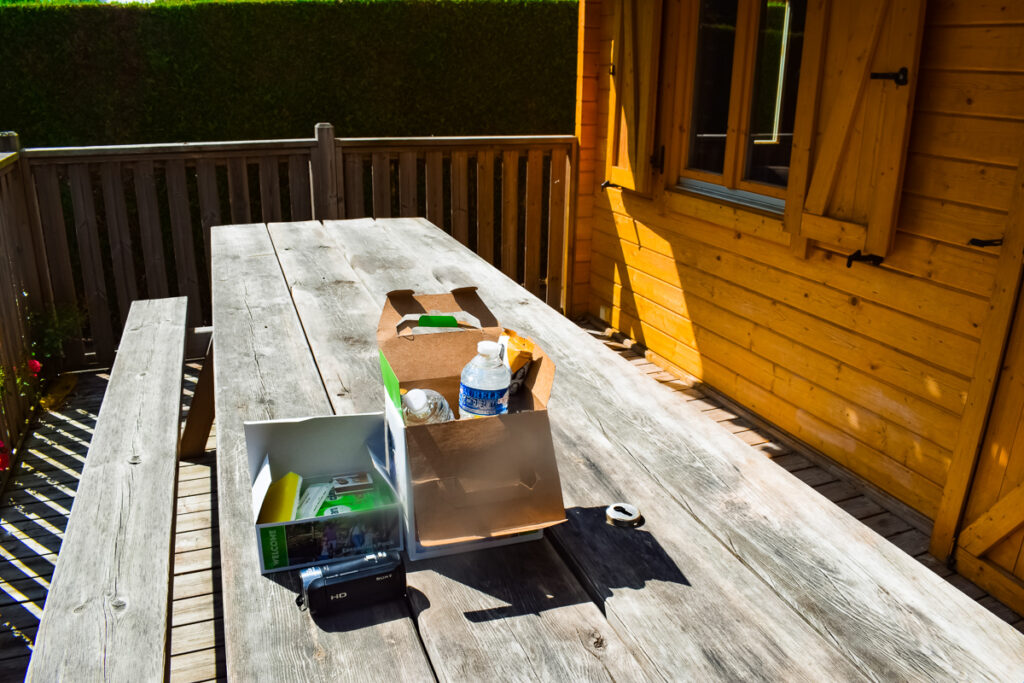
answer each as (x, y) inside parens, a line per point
(716, 35)
(776, 74)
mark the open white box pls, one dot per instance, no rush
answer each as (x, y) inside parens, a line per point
(312, 448)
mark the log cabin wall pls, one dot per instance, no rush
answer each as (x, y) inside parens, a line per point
(871, 366)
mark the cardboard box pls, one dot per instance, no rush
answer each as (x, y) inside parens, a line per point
(473, 483)
(318, 449)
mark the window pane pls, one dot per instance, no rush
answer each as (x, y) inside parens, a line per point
(776, 74)
(716, 36)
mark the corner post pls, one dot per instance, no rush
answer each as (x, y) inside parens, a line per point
(325, 174)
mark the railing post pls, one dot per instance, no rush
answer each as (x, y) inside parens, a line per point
(325, 174)
(9, 141)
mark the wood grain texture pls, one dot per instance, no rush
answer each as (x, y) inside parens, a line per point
(435, 188)
(509, 214)
(460, 196)
(120, 238)
(339, 313)
(298, 188)
(51, 214)
(534, 198)
(660, 580)
(106, 614)
(150, 231)
(238, 189)
(270, 191)
(381, 175)
(354, 201)
(264, 370)
(91, 261)
(745, 502)
(181, 239)
(407, 176)
(324, 167)
(559, 212)
(485, 205)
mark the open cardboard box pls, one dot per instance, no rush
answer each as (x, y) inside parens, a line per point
(316, 448)
(474, 483)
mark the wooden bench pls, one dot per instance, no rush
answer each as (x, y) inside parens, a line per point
(107, 612)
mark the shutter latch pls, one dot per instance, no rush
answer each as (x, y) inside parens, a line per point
(606, 184)
(873, 259)
(900, 77)
(976, 242)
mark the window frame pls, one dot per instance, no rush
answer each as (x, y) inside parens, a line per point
(741, 92)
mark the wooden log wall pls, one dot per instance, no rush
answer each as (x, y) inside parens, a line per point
(871, 366)
(128, 222)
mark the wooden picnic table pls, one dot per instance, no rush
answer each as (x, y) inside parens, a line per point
(740, 572)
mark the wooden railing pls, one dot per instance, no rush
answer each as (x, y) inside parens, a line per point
(22, 292)
(127, 222)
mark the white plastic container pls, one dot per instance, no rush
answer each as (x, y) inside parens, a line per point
(425, 406)
(483, 389)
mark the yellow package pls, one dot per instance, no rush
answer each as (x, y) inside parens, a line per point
(519, 354)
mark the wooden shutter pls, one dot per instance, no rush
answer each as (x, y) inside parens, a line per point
(851, 131)
(636, 34)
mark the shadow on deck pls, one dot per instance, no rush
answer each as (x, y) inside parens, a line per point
(36, 506)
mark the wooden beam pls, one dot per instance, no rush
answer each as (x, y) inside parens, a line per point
(1001, 520)
(987, 365)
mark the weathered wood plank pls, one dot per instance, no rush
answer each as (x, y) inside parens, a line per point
(120, 238)
(785, 534)
(270, 189)
(354, 202)
(91, 261)
(209, 202)
(298, 188)
(509, 213)
(684, 572)
(51, 214)
(485, 205)
(150, 232)
(329, 297)
(181, 239)
(534, 189)
(238, 189)
(435, 188)
(407, 176)
(106, 612)
(264, 370)
(324, 166)
(380, 172)
(558, 226)
(460, 196)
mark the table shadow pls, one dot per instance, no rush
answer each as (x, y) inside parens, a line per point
(542, 575)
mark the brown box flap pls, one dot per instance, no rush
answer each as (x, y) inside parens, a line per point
(448, 352)
(482, 478)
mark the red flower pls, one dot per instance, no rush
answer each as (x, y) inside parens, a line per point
(34, 367)
(5, 457)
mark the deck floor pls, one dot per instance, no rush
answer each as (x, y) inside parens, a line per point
(35, 509)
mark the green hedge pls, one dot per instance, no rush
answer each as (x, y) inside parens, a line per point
(77, 74)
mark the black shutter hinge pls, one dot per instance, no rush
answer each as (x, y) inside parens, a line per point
(606, 184)
(900, 77)
(976, 242)
(873, 259)
(658, 159)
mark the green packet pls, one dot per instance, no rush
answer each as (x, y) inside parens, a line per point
(360, 501)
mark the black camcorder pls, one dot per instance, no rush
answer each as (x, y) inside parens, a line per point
(347, 584)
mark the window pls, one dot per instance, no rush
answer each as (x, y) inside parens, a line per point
(746, 69)
(790, 106)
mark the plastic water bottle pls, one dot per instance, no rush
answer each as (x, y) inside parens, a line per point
(425, 406)
(485, 380)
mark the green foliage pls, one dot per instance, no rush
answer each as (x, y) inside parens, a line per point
(79, 74)
(51, 329)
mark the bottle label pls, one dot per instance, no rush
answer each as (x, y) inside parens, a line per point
(482, 401)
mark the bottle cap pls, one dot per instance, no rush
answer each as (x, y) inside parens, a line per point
(488, 348)
(415, 400)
